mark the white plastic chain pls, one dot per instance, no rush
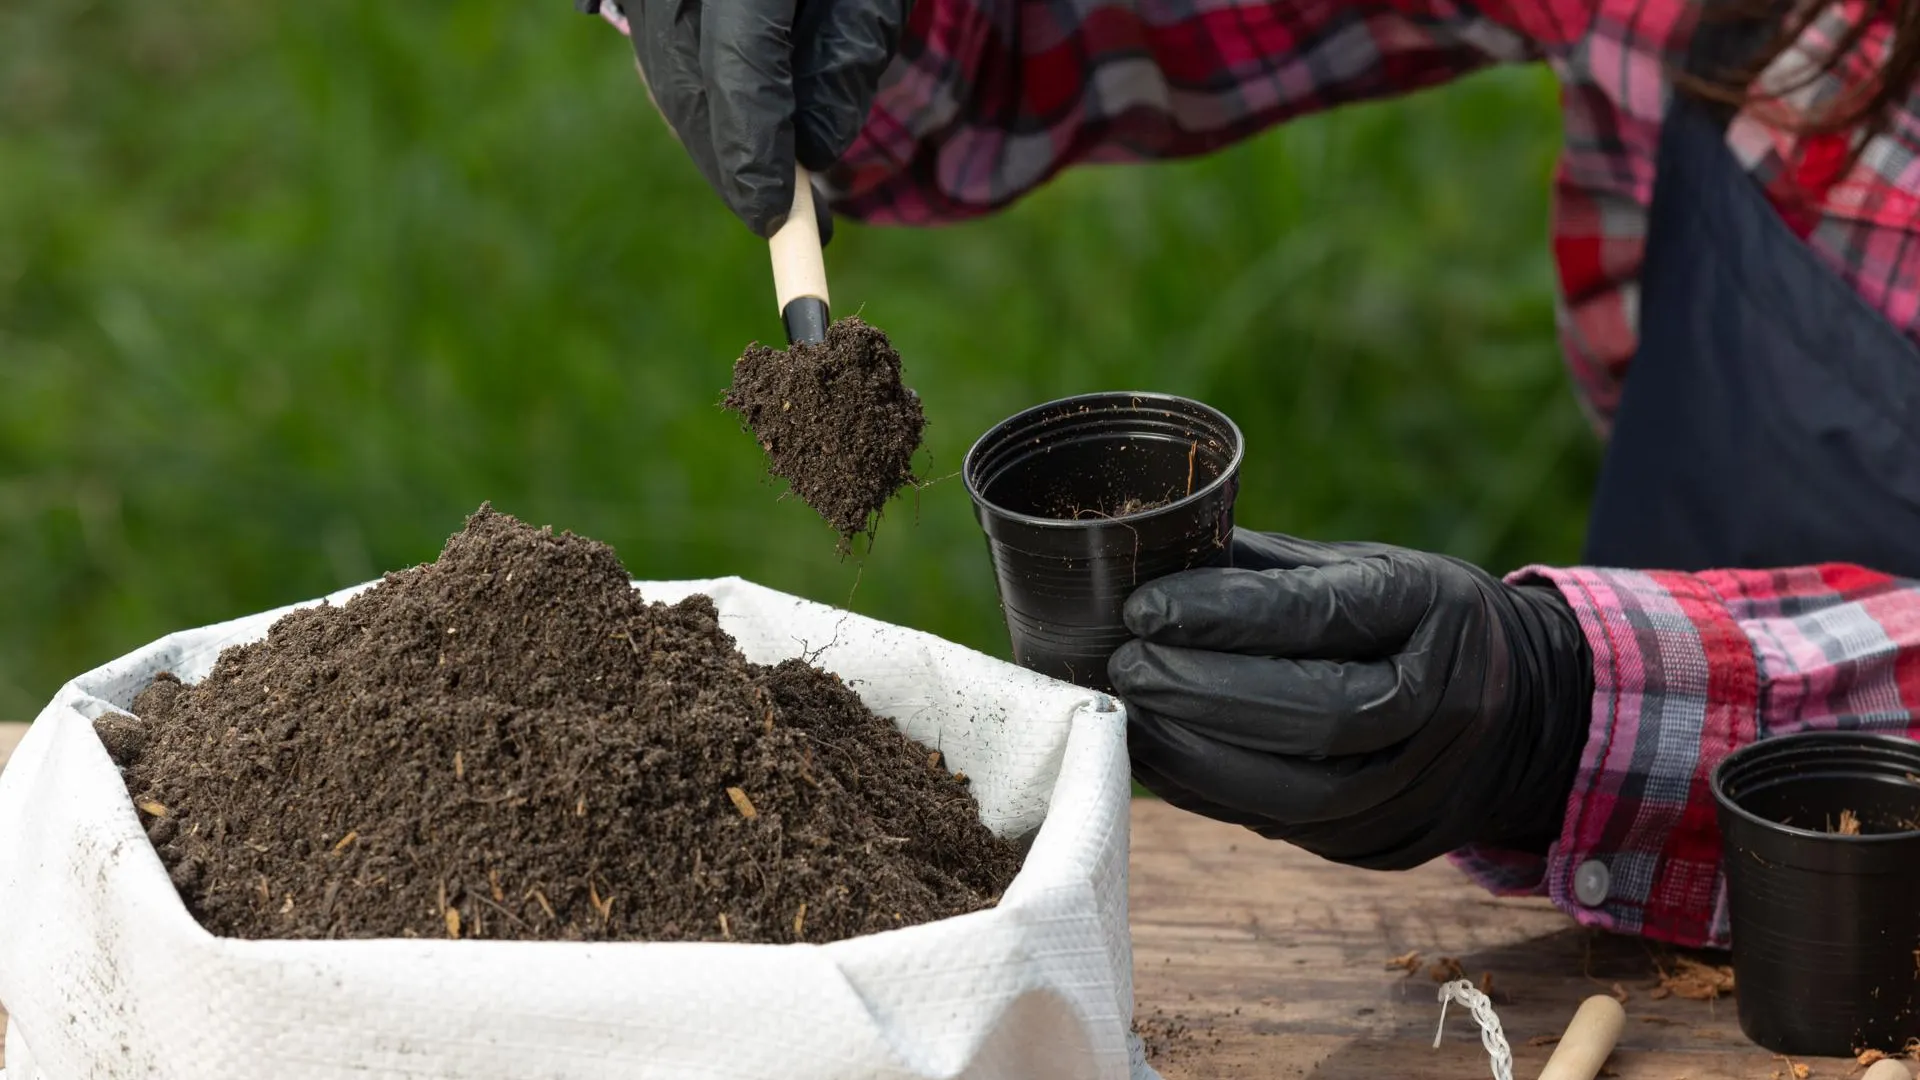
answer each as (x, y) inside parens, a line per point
(1490, 1035)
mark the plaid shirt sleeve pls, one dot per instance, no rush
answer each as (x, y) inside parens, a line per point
(989, 99)
(1687, 668)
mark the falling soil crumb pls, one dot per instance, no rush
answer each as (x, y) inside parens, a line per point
(1620, 994)
(1694, 981)
(510, 742)
(834, 419)
(1171, 1036)
(1446, 969)
(1407, 962)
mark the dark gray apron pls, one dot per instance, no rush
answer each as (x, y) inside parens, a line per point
(1770, 418)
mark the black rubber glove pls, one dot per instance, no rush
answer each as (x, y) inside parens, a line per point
(1374, 705)
(751, 86)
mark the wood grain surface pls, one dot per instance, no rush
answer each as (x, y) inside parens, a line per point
(1275, 963)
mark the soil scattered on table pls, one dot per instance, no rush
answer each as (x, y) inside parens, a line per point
(1171, 1036)
(1909, 1052)
(835, 421)
(1693, 980)
(510, 742)
(1442, 970)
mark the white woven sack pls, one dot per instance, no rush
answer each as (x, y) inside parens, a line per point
(107, 975)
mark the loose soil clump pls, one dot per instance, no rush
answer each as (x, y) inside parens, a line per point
(510, 742)
(835, 421)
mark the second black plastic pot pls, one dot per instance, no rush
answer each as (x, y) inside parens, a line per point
(1085, 498)
(1825, 925)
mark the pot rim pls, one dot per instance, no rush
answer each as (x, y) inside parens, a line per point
(1227, 474)
(1746, 754)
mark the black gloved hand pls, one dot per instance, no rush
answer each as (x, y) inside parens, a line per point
(1374, 705)
(751, 86)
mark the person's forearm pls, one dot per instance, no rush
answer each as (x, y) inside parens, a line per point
(1687, 668)
(989, 99)
(979, 102)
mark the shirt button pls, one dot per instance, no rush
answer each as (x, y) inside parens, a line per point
(1590, 883)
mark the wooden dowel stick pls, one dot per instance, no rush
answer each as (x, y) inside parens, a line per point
(1888, 1069)
(799, 268)
(1588, 1040)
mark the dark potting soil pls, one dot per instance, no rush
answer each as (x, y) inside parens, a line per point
(1123, 480)
(834, 419)
(1881, 824)
(1073, 511)
(511, 742)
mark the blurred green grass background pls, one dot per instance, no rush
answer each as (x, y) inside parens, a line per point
(287, 292)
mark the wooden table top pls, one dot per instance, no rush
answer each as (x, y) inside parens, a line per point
(1255, 960)
(1276, 964)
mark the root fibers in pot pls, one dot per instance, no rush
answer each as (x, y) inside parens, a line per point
(835, 421)
(511, 742)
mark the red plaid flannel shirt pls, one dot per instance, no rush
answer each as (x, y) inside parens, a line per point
(988, 99)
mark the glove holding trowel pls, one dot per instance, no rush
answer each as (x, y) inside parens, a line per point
(761, 94)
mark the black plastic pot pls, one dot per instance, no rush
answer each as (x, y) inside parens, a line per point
(1826, 926)
(1059, 490)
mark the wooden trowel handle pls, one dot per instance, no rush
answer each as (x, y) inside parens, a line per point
(799, 269)
(1588, 1040)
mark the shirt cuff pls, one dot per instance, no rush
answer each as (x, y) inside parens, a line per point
(1676, 688)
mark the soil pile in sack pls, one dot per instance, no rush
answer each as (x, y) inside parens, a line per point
(835, 421)
(511, 742)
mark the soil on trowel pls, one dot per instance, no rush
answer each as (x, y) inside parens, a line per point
(835, 421)
(511, 742)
